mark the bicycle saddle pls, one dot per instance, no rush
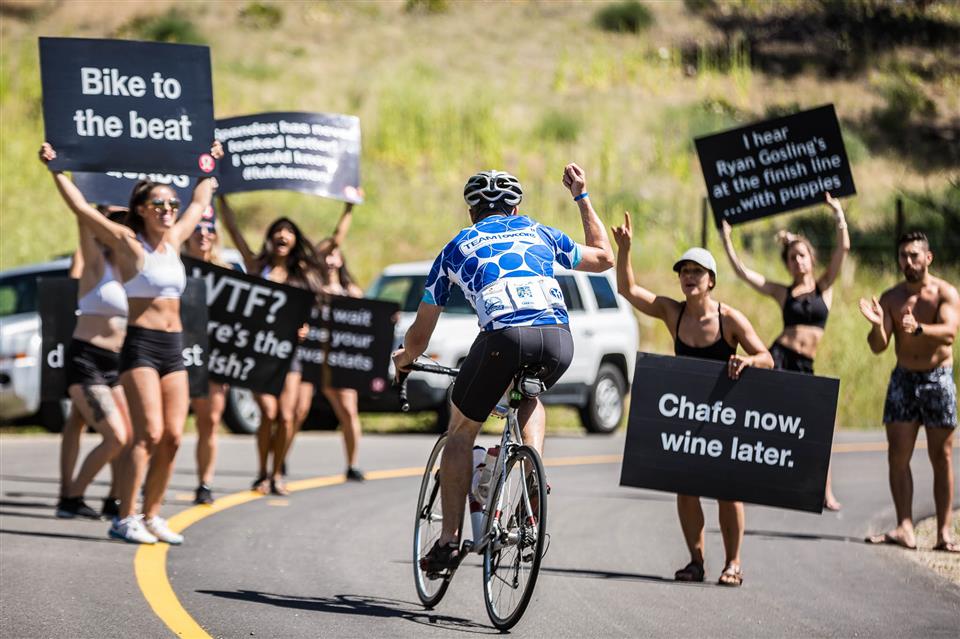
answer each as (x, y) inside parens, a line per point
(528, 381)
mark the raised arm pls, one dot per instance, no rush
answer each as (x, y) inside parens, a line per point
(113, 235)
(754, 279)
(343, 225)
(230, 221)
(842, 248)
(202, 197)
(642, 299)
(881, 328)
(597, 256)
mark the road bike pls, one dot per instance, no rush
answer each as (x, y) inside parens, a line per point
(513, 537)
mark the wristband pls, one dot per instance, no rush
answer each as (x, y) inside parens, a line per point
(581, 196)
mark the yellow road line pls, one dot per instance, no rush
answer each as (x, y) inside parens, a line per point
(150, 562)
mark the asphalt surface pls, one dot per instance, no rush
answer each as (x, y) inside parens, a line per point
(335, 561)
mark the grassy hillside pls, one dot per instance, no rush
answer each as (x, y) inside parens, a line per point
(529, 86)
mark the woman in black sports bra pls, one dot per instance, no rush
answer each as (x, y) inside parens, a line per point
(704, 328)
(805, 302)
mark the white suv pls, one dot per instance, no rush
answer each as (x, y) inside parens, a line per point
(604, 334)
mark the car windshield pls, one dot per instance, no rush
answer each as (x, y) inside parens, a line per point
(407, 290)
(18, 293)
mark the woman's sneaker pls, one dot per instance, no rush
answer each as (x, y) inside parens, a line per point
(159, 528)
(203, 495)
(131, 530)
(70, 507)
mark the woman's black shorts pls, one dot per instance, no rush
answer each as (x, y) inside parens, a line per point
(147, 348)
(497, 356)
(90, 365)
(790, 360)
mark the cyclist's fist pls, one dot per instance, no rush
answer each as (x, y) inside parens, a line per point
(400, 361)
(574, 179)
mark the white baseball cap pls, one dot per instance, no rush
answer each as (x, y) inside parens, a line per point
(699, 256)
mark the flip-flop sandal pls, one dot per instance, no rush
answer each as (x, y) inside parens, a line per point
(888, 539)
(692, 572)
(947, 546)
(261, 485)
(277, 487)
(732, 576)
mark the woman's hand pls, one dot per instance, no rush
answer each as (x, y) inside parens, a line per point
(47, 153)
(216, 150)
(623, 235)
(302, 332)
(872, 310)
(574, 179)
(737, 364)
(834, 204)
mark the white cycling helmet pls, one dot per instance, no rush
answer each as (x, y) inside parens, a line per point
(493, 188)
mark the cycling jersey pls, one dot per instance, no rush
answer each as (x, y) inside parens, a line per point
(504, 264)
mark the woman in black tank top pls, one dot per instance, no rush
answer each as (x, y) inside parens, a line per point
(704, 328)
(804, 302)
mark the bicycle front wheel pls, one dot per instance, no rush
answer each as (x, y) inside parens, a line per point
(511, 561)
(428, 526)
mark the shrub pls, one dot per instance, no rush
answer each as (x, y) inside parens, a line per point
(428, 6)
(699, 6)
(558, 126)
(259, 15)
(624, 17)
(171, 26)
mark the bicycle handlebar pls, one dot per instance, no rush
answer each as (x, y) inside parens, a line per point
(423, 368)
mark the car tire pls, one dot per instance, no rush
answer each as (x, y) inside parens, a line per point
(241, 415)
(605, 401)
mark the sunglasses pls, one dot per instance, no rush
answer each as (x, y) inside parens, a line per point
(159, 203)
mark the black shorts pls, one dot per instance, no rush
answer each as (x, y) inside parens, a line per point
(497, 356)
(90, 365)
(921, 397)
(147, 348)
(788, 359)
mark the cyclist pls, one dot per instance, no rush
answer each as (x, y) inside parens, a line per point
(504, 264)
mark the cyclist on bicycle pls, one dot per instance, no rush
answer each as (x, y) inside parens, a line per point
(504, 264)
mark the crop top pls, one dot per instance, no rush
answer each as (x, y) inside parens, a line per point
(718, 351)
(107, 298)
(162, 275)
(808, 309)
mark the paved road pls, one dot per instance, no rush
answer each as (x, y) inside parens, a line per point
(334, 561)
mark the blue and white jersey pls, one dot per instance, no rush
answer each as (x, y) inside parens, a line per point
(504, 264)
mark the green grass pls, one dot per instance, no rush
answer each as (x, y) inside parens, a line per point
(441, 96)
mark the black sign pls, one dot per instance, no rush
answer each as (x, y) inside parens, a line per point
(775, 166)
(57, 305)
(763, 439)
(115, 105)
(114, 188)
(316, 153)
(349, 344)
(252, 326)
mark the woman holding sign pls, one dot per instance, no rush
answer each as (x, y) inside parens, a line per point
(700, 327)
(337, 280)
(286, 257)
(92, 375)
(146, 252)
(204, 245)
(805, 302)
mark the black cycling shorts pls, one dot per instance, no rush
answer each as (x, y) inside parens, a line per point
(90, 365)
(148, 348)
(497, 356)
(790, 360)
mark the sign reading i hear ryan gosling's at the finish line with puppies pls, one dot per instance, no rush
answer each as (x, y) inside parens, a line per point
(115, 105)
(763, 439)
(316, 153)
(775, 166)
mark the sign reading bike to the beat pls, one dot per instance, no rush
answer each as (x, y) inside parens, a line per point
(775, 166)
(57, 307)
(316, 153)
(252, 326)
(763, 439)
(116, 105)
(349, 344)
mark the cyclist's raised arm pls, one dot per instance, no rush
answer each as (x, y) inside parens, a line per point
(596, 255)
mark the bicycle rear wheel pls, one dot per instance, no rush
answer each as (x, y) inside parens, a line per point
(428, 526)
(511, 562)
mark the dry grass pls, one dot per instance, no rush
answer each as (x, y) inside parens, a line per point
(945, 564)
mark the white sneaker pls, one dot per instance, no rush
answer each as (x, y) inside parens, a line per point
(158, 526)
(131, 530)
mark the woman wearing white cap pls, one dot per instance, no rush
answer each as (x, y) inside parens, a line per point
(704, 328)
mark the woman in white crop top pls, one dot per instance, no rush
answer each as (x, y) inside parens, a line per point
(289, 258)
(146, 254)
(93, 360)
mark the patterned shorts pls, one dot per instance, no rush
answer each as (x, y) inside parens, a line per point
(928, 398)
